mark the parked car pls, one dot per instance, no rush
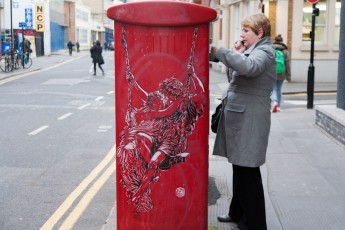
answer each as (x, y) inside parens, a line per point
(111, 46)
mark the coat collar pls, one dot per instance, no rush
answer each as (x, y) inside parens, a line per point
(262, 41)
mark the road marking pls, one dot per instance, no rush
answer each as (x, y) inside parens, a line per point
(65, 116)
(84, 106)
(104, 128)
(40, 129)
(87, 198)
(110, 92)
(99, 98)
(51, 222)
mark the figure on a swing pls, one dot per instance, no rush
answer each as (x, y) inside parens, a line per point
(156, 136)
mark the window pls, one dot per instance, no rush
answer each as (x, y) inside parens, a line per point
(82, 35)
(320, 22)
(337, 22)
(82, 15)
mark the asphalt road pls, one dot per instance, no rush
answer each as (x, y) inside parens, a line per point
(57, 147)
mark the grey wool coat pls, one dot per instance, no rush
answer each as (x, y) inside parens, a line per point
(245, 123)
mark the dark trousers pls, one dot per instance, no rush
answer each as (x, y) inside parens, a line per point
(99, 66)
(248, 202)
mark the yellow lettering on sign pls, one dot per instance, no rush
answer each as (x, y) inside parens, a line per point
(39, 18)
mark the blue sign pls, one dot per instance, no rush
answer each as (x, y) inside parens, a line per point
(28, 18)
(22, 24)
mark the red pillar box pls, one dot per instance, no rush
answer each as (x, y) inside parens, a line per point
(162, 114)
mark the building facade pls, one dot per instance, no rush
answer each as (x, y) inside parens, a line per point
(291, 19)
(50, 24)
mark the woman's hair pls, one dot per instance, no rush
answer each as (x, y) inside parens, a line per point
(278, 38)
(98, 43)
(257, 21)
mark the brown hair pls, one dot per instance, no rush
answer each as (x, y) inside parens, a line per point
(278, 38)
(257, 21)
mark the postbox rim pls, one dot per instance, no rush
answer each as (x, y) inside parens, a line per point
(162, 13)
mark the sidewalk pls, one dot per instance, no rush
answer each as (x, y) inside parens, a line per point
(303, 175)
(39, 63)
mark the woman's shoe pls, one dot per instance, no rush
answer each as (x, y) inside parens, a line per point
(225, 218)
(274, 107)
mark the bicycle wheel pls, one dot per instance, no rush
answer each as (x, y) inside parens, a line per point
(18, 63)
(5, 64)
(27, 63)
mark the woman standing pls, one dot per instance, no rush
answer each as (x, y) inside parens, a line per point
(245, 122)
(96, 55)
(285, 75)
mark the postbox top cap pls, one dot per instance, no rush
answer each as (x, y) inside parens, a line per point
(162, 13)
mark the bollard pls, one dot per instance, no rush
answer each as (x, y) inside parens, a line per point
(162, 114)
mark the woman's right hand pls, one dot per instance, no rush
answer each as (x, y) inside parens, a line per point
(239, 47)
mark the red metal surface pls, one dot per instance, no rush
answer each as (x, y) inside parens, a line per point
(313, 1)
(162, 13)
(162, 115)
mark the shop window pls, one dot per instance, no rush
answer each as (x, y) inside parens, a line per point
(320, 22)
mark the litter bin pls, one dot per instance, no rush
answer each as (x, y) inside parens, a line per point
(162, 114)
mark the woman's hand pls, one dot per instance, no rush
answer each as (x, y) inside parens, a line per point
(212, 54)
(239, 47)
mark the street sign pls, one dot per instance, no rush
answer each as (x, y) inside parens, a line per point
(28, 18)
(22, 24)
(39, 18)
(313, 1)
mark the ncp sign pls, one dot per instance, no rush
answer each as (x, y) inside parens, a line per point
(313, 1)
(39, 18)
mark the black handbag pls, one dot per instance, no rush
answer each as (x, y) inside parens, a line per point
(215, 118)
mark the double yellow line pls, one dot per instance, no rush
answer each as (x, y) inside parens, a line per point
(78, 210)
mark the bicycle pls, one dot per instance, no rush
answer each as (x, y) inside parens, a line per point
(17, 60)
(26, 61)
(6, 64)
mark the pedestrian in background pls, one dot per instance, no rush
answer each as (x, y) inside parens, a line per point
(70, 47)
(96, 55)
(78, 46)
(281, 76)
(25, 46)
(245, 122)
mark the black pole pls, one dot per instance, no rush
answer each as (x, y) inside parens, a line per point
(11, 48)
(341, 61)
(311, 69)
(22, 45)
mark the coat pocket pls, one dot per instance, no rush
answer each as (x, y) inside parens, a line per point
(234, 115)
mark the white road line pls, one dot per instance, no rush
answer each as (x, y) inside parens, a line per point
(84, 106)
(40, 129)
(104, 128)
(110, 92)
(65, 116)
(99, 98)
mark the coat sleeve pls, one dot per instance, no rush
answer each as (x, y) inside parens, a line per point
(250, 66)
